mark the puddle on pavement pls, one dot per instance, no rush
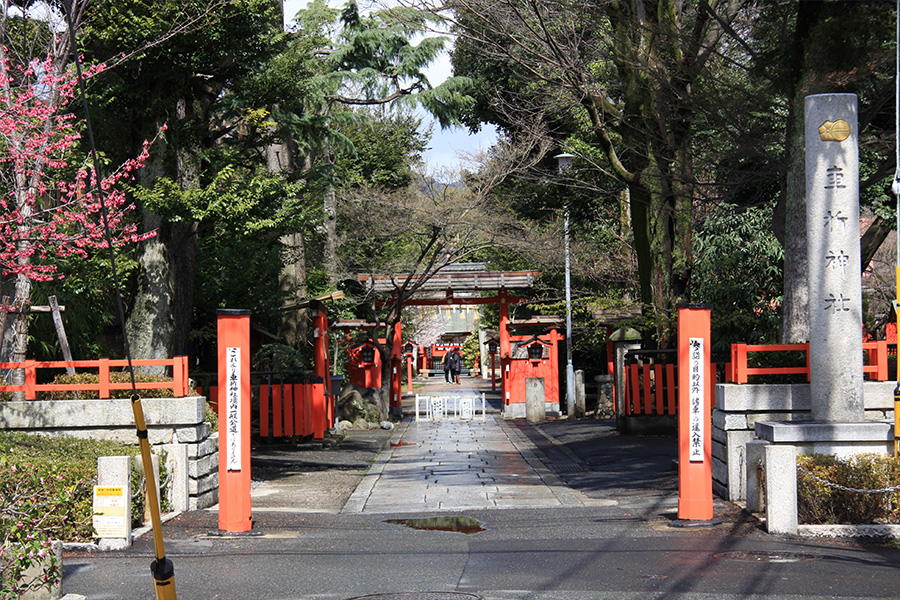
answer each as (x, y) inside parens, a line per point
(465, 525)
(421, 596)
(764, 556)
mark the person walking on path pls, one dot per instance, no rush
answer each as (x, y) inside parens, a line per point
(455, 362)
(447, 369)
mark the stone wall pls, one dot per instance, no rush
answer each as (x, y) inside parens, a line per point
(739, 407)
(176, 427)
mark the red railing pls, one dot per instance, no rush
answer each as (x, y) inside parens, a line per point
(652, 389)
(289, 410)
(178, 382)
(296, 410)
(876, 353)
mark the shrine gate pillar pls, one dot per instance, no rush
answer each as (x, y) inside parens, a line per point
(504, 346)
(321, 366)
(396, 361)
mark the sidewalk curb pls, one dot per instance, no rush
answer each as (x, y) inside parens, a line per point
(357, 501)
(533, 456)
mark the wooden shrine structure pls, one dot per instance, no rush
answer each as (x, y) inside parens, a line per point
(460, 288)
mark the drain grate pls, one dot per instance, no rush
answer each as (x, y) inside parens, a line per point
(421, 596)
(571, 468)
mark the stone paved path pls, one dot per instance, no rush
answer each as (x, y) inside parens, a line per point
(452, 465)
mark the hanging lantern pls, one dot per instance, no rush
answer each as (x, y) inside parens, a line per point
(367, 354)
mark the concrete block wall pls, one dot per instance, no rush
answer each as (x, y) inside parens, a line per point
(739, 407)
(176, 427)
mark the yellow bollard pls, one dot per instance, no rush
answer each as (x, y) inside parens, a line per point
(162, 568)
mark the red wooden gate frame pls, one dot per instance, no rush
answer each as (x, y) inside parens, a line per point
(502, 299)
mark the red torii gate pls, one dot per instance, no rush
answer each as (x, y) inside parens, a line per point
(449, 281)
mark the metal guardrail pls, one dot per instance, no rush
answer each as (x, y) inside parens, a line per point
(449, 407)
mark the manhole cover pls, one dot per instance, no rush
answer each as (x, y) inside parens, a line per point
(420, 596)
(770, 557)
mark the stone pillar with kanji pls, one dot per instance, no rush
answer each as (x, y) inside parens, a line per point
(833, 258)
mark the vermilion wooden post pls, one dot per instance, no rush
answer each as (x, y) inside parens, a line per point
(287, 398)
(317, 395)
(179, 377)
(695, 500)
(104, 377)
(409, 374)
(504, 346)
(320, 344)
(277, 412)
(31, 380)
(307, 391)
(396, 385)
(881, 359)
(234, 420)
(299, 409)
(264, 411)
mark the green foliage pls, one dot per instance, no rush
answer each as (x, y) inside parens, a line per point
(286, 362)
(382, 148)
(738, 267)
(356, 60)
(471, 352)
(821, 503)
(236, 270)
(242, 201)
(114, 377)
(46, 494)
(87, 293)
(34, 508)
(212, 417)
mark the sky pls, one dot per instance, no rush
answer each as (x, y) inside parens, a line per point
(448, 147)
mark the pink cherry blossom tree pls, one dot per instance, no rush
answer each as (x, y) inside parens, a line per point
(49, 205)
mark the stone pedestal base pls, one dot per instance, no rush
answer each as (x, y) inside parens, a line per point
(839, 439)
(516, 410)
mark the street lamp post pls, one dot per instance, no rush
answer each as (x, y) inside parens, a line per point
(564, 160)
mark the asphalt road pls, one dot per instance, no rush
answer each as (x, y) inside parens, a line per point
(616, 543)
(593, 552)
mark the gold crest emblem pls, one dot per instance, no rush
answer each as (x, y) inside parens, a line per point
(834, 131)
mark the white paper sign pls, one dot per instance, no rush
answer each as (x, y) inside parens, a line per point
(234, 423)
(466, 408)
(110, 519)
(697, 378)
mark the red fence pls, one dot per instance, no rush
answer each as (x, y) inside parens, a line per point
(876, 355)
(178, 382)
(652, 389)
(289, 410)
